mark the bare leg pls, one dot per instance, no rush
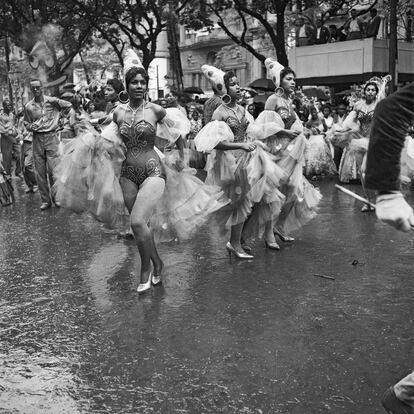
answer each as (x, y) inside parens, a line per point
(141, 203)
(156, 260)
(235, 236)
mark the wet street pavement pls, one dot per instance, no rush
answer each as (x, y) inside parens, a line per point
(220, 336)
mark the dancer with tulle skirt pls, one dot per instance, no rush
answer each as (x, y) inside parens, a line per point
(282, 131)
(121, 167)
(354, 134)
(242, 168)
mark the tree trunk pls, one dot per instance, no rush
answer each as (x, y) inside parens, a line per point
(280, 34)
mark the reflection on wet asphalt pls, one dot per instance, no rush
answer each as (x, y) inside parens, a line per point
(220, 336)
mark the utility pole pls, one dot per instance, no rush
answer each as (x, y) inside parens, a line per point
(393, 45)
(9, 85)
(175, 59)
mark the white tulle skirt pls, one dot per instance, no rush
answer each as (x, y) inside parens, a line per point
(355, 147)
(88, 181)
(301, 197)
(318, 157)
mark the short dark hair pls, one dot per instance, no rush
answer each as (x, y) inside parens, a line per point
(134, 71)
(116, 84)
(226, 78)
(286, 71)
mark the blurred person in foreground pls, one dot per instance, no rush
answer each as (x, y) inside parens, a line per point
(392, 118)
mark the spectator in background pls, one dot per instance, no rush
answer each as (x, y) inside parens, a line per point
(41, 116)
(322, 34)
(354, 26)
(8, 135)
(196, 124)
(334, 34)
(251, 109)
(339, 119)
(373, 24)
(25, 137)
(112, 89)
(304, 33)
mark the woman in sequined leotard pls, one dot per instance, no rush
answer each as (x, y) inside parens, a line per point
(358, 123)
(142, 176)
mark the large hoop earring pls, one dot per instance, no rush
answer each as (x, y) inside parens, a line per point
(226, 99)
(123, 97)
(279, 91)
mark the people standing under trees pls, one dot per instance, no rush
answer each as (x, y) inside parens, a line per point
(42, 116)
(285, 137)
(8, 134)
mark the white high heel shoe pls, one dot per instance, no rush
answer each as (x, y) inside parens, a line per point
(239, 255)
(144, 287)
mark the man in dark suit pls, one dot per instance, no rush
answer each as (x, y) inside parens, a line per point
(304, 33)
(392, 118)
(321, 34)
(373, 24)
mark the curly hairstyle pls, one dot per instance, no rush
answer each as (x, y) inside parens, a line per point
(116, 84)
(287, 71)
(134, 71)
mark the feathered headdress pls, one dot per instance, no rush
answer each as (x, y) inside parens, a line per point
(274, 68)
(131, 60)
(216, 77)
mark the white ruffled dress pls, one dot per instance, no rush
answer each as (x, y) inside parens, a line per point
(88, 181)
(251, 180)
(302, 198)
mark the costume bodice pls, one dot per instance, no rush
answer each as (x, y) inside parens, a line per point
(364, 116)
(139, 136)
(238, 128)
(284, 108)
(141, 160)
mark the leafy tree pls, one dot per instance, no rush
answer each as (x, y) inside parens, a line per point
(61, 30)
(204, 14)
(135, 23)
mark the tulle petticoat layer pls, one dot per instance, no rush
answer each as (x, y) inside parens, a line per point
(227, 172)
(185, 205)
(302, 198)
(86, 180)
(352, 158)
(318, 157)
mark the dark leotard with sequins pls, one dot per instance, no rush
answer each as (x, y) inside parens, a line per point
(141, 160)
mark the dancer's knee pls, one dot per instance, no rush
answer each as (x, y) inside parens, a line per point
(139, 227)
